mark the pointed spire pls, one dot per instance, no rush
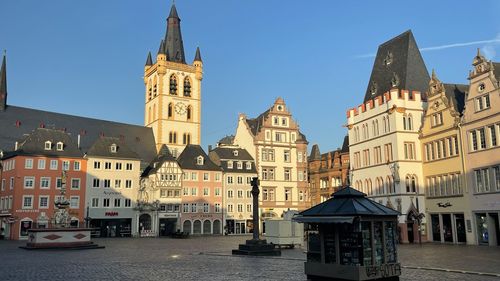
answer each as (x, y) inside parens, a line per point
(173, 37)
(161, 49)
(149, 61)
(197, 56)
(173, 12)
(315, 154)
(3, 83)
(433, 77)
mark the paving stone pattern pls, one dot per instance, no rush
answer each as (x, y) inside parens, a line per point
(208, 258)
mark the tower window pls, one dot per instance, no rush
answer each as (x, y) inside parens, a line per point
(188, 113)
(173, 85)
(170, 110)
(187, 87)
(186, 138)
(172, 137)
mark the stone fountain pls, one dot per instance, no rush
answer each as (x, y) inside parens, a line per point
(60, 235)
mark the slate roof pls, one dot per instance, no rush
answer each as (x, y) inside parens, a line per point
(345, 145)
(174, 47)
(3, 84)
(399, 56)
(102, 148)
(349, 202)
(256, 124)
(221, 155)
(34, 144)
(188, 159)
(163, 156)
(315, 154)
(197, 56)
(227, 140)
(496, 66)
(456, 94)
(18, 121)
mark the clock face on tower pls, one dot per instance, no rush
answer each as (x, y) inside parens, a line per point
(180, 108)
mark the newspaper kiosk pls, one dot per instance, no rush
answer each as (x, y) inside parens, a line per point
(350, 237)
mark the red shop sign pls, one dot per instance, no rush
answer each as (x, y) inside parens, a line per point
(111, 214)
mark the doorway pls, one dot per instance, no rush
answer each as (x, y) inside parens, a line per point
(447, 229)
(411, 237)
(240, 227)
(145, 222)
(167, 226)
(460, 223)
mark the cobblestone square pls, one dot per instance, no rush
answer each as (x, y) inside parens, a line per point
(209, 258)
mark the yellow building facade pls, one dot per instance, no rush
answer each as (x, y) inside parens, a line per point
(446, 201)
(173, 92)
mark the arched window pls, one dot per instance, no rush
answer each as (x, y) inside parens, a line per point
(188, 113)
(187, 87)
(413, 184)
(172, 137)
(385, 124)
(377, 132)
(388, 124)
(382, 191)
(389, 185)
(155, 85)
(404, 122)
(367, 131)
(408, 179)
(410, 122)
(173, 85)
(363, 131)
(170, 111)
(186, 138)
(150, 95)
(154, 112)
(373, 128)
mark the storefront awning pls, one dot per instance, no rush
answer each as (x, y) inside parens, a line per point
(324, 219)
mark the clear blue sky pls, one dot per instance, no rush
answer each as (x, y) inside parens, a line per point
(87, 57)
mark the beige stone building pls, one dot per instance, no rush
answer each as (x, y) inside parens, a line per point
(238, 170)
(480, 134)
(446, 195)
(173, 92)
(274, 140)
(112, 187)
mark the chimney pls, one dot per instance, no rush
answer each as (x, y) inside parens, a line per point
(78, 142)
(209, 147)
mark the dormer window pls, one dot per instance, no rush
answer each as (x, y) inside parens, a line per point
(199, 160)
(240, 165)
(60, 146)
(235, 152)
(229, 164)
(48, 145)
(113, 148)
(249, 165)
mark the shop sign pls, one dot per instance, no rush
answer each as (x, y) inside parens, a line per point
(111, 214)
(112, 193)
(168, 215)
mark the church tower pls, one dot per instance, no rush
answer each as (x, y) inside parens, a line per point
(173, 91)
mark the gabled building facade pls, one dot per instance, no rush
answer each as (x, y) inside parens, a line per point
(112, 187)
(202, 194)
(480, 134)
(328, 172)
(274, 140)
(173, 91)
(238, 168)
(384, 147)
(446, 195)
(42, 163)
(159, 201)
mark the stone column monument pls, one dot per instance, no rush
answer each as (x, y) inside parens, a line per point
(256, 246)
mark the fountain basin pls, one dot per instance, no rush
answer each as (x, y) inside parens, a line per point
(60, 238)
